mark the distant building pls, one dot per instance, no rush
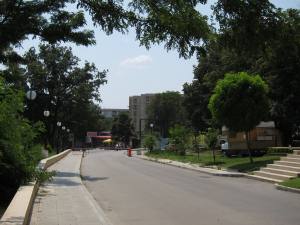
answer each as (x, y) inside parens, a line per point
(111, 113)
(137, 111)
(262, 136)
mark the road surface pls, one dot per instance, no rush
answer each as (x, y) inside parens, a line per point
(132, 191)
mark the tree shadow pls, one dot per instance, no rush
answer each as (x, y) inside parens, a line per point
(89, 178)
(249, 167)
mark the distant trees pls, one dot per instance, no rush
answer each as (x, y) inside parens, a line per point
(240, 102)
(63, 87)
(166, 110)
(122, 129)
(149, 141)
(258, 38)
(179, 137)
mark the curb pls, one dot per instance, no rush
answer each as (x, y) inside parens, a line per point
(19, 210)
(98, 210)
(210, 171)
(289, 189)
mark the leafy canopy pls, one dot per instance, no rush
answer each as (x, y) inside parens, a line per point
(176, 23)
(240, 101)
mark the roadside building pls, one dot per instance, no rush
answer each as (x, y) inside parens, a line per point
(138, 111)
(111, 113)
(262, 136)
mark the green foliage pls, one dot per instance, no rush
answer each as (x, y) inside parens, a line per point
(165, 110)
(240, 101)
(240, 164)
(211, 140)
(19, 154)
(279, 150)
(43, 176)
(64, 87)
(149, 141)
(292, 183)
(258, 38)
(122, 129)
(52, 21)
(179, 137)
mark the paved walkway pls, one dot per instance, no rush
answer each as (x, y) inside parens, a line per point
(65, 200)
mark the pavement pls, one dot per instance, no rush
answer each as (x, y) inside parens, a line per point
(138, 192)
(65, 200)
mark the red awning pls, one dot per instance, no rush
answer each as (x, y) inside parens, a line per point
(103, 137)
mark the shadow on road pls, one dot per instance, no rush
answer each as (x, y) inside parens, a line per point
(89, 178)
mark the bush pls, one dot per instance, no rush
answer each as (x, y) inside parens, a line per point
(279, 150)
(149, 141)
(19, 154)
(179, 137)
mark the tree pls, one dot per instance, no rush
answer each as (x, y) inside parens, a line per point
(179, 137)
(122, 129)
(258, 38)
(149, 141)
(166, 110)
(69, 91)
(211, 140)
(19, 153)
(240, 102)
(53, 21)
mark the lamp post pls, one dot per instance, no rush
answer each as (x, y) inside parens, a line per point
(151, 125)
(58, 136)
(46, 114)
(31, 95)
(62, 138)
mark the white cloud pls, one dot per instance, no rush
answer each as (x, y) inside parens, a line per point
(137, 62)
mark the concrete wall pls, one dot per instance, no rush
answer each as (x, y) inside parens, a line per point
(19, 210)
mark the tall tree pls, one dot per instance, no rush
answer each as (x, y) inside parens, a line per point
(53, 21)
(166, 110)
(240, 102)
(63, 87)
(122, 129)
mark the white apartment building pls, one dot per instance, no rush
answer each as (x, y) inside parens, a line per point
(111, 113)
(137, 111)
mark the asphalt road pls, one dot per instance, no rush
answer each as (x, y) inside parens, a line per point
(132, 191)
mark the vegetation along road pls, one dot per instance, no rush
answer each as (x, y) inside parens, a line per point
(137, 192)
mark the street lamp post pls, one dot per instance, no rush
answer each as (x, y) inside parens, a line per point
(58, 136)
(151, 125)
(31, 95)
(62, 138)
(46, 114)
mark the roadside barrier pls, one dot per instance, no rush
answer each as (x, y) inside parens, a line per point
(19, 210)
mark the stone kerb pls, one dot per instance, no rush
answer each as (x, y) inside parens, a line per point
(19, 210)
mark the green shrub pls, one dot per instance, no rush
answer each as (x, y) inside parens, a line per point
(179, 138)
(19, 154)
(279, 150)
(149, 141)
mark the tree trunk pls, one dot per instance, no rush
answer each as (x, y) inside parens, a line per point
(214, 155)
(248, 146)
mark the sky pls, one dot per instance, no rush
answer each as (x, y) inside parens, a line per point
(134, 70)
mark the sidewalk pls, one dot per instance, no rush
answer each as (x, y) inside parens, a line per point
(195, 167)
(65, 200)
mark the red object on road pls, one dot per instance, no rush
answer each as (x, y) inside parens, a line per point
(129, 152)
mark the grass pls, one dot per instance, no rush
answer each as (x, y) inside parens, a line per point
(292, 183)
(240, 164)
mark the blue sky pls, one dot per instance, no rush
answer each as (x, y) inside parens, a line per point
(134, 70)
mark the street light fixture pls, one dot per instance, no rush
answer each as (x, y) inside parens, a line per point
(46, 113)
(31, 94)
(151, 125)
